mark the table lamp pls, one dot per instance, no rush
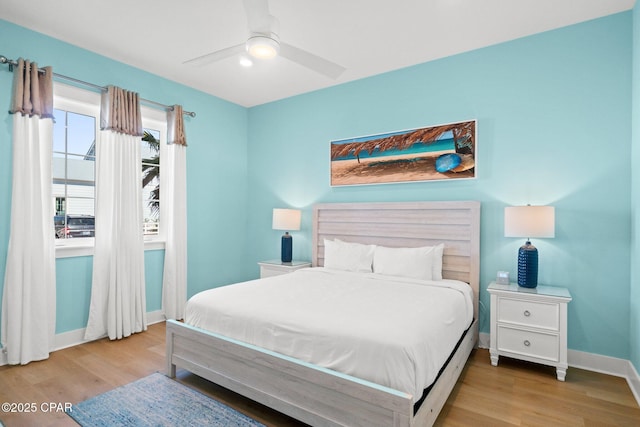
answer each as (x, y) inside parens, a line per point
(286, 219)
(529, 221)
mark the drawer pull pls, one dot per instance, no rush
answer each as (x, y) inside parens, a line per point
(527, 343)
(527, 313)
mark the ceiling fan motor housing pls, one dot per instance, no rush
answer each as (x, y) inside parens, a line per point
(263, 46)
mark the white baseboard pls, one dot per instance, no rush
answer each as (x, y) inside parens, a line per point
(634, 382)
(76, 337)
(596, 363)
(483, 340)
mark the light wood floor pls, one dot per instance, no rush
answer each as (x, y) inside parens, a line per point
(514, 393)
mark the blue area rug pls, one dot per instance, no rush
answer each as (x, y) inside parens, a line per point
(156, 400)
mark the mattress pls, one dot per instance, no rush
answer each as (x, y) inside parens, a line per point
(392, 331)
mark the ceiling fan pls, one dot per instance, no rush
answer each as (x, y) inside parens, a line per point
(264, 43)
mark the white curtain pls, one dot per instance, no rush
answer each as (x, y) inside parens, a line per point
(29, 296)
(174, 215)
(118, 301)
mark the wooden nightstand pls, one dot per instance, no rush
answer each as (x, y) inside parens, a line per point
(275, 267)
(530, 324)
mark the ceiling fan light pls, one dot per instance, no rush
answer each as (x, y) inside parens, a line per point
(263, 47)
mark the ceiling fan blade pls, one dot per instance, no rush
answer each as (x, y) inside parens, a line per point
(258, 17)
(311, 61)
(216, 56)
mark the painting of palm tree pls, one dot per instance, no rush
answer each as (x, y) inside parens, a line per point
(439, 152)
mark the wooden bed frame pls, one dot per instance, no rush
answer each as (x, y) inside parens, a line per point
(319, 396)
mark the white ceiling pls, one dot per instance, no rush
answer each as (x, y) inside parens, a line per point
(367, 37)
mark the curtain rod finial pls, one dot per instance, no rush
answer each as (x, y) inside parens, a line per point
(5, 60)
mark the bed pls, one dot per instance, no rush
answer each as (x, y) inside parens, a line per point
(316, 394)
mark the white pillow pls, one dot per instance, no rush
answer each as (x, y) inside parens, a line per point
(417, 263)
(340, 255)
(437, 261)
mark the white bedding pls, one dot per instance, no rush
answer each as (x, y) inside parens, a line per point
(391, 331)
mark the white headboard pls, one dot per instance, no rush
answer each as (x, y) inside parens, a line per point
(407, 224)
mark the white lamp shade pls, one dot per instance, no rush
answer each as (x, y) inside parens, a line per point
(286, 219)
(529, 221)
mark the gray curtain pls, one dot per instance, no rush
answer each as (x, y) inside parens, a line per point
(120, 111)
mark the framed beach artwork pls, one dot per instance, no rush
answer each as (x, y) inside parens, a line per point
(430, 153)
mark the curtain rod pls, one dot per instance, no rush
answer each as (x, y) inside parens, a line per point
(12, 63)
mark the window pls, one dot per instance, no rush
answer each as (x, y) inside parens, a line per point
(150, 151)
(75, 129)
(73, 170)
(154, 144)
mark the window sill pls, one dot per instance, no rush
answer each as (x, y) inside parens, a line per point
(154, 245)
(85, 247)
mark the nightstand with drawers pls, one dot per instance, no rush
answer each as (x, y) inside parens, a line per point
(530, 324)
(276, 267)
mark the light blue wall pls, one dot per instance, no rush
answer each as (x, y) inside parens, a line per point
(553, 115)
(634, 333)
(216, 178)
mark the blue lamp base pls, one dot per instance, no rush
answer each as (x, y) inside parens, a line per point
(528, 266)
(287, 248)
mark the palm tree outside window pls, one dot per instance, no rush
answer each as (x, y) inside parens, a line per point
(151, 180)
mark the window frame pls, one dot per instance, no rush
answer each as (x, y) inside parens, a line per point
(82, 101)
